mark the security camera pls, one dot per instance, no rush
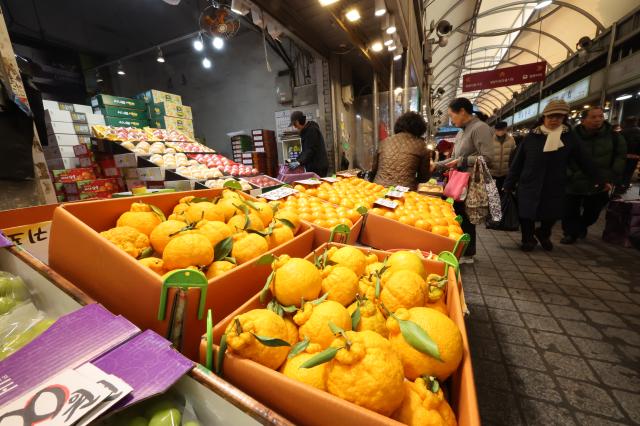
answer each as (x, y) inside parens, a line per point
(584, 43)
(440, 90)
(443, 28)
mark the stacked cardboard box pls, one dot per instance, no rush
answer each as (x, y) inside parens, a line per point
(121, 112)
(83, 183)
(265, 141)
(166, 111)
(68, 125)
(240, 144)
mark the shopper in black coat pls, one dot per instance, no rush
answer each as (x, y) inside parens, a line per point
(539, 170)
(314, 154)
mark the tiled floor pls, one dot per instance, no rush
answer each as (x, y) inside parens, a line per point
(555, 337)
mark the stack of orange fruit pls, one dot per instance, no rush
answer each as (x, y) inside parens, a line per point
(423, 212)
(318, 212)
(350, 193)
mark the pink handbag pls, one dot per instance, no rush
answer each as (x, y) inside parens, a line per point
(457, 185)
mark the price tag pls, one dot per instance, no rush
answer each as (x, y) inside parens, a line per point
(395, 194)
(386, 203)
(347, 175)
(277, 194)
(402, 189)
(308, 182)
(330, 179)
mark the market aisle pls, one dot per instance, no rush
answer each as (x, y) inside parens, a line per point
(555, 336)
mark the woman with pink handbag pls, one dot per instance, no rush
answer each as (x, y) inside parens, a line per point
(474, 139)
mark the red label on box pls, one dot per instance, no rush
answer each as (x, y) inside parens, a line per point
(73, 175)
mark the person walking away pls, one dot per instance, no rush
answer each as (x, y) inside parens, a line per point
(631, 134)
(314, 154)
(539, 171)
(608, 150)
(475, 138)
(503, 146)
(403, 159)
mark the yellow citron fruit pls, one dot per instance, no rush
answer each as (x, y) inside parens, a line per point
(315, 376)
(292, 331)
(295, 279)
(421, 406)
(127, 238)
(406, 260)
(153, 263)
(204, 210)
(143, 221)
(313, 321)
(228, 208)
(441, 329)
(186, 200)
(367, 287)
(280, 235)
(247, 247)
(263, 210)
(180, 208)
(164, 232)
(140, 207)
(232, 195)
(372, 258)
(368, 373)
(371, 317)
(219, 267)
(215, 231)
(403, 289)
(291, 217)
(263, 323)
(372, 268)
(238, 222)
(187, 250)
(341, 283)
(350, 257)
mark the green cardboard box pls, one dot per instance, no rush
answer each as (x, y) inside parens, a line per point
(125, 122)
(170, 109)
(114, 111)
(156, 96)
(117, 101)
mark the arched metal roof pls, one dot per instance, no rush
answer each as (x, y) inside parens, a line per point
(489, 34)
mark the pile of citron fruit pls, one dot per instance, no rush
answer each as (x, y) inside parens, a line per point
(350, 193)
(318, 212)
(212, 235)
(373, 333)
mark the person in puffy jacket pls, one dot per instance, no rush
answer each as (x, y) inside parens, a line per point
(608, 150)
(503, 146)
(403, 159)
(631, 133)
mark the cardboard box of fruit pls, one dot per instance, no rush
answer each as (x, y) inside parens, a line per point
(259, 361)
(93, 236)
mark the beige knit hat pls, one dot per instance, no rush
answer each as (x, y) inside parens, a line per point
(556, 106)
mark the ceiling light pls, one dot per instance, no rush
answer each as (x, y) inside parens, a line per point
(388, 42)
(392, 25)
(239, 7)
(353, 15)
(327, 2)
(391, 47)
(376, 46)
(397, 56)
(542, 4)
(381, 8)
(198, 44)
(120, 69)
(218, 43)
(206, 62)
(98, 77)
(624, 97)
(586, 106)
(160, 57)
(397, 90)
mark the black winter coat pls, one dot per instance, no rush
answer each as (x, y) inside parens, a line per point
(314, 154)
(542, 176)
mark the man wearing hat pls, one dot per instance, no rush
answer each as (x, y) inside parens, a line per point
(314, 154)
(503, 145)
(608, 150)
(539, 171)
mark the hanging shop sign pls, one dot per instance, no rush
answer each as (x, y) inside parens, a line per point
(525, 114)
(509, 120)
(573, 93)
(520, 74)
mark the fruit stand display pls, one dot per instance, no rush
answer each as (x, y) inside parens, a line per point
(201, 398)
(132, 245)
(363, 336)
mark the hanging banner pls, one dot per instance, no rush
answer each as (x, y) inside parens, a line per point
(520, 74)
